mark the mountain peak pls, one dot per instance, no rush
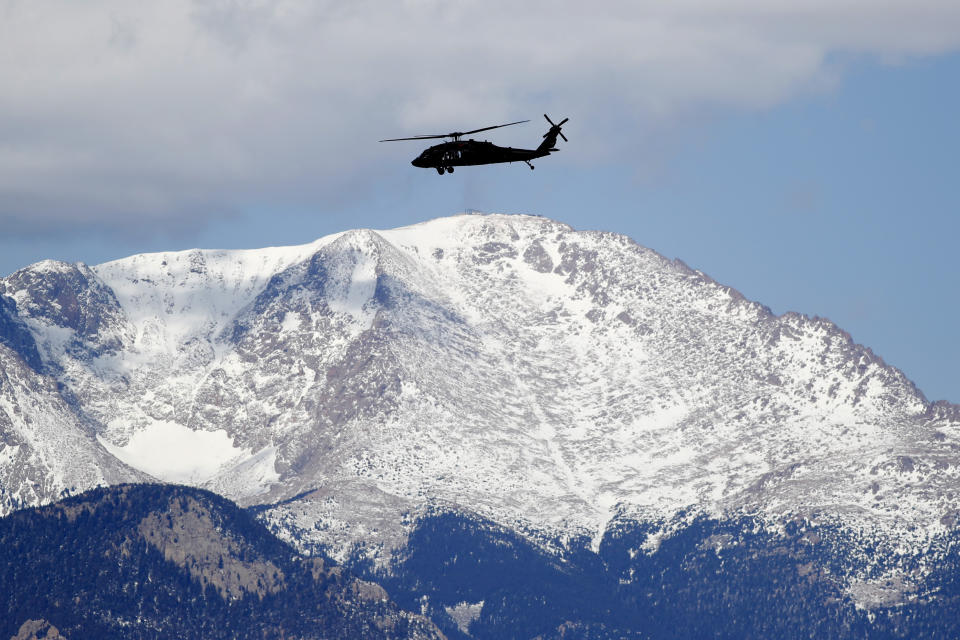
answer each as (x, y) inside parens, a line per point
(541, 377)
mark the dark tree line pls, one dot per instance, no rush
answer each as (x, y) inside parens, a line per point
(94, 576)
(710, 579)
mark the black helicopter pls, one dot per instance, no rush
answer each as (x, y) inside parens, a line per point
(461, 153)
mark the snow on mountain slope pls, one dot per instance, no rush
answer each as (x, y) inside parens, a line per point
(545, 378)
(175, 298)
(47, 450)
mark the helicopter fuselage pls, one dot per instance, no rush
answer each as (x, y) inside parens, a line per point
(464, 153)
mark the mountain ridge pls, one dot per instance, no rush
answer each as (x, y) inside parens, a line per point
(551, 380)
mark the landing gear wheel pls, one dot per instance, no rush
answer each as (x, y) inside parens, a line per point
(440, 170)
(449, 169)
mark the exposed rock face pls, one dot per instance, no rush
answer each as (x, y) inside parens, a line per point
(71, 297)
(549, 380)
(186, 535)
(37, 630)
(15, 335)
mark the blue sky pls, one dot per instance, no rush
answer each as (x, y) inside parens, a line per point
(814, 169)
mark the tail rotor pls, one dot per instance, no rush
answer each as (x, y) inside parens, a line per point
(555, 128)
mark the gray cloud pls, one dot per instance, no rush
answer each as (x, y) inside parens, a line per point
(156, 114)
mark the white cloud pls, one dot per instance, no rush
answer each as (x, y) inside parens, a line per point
(114, 112)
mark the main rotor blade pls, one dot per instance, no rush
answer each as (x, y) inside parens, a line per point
(496, 126)
(442, 135)
(455, 134)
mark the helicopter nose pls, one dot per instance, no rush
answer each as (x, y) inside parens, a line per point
(418, 162)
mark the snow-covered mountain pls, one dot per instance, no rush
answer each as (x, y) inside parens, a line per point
(546, 379)
(48, 446)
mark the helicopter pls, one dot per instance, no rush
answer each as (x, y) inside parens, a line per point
(461, 153)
